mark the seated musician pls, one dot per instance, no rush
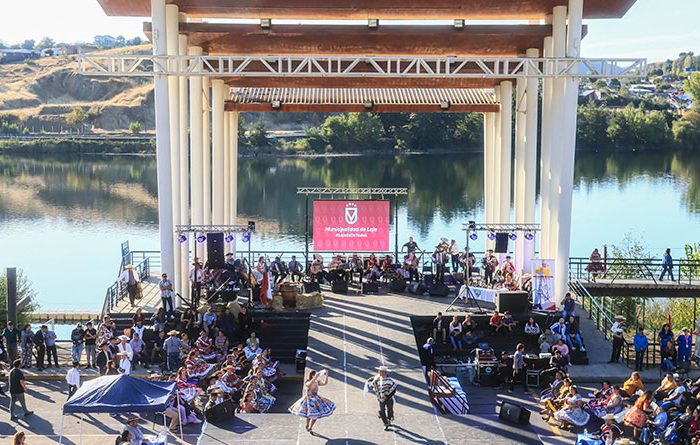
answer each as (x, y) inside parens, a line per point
(295, 269)
(278, 269)
(336, 269)
(355, 265)
(467, 260)
(410, 265)
(317, 272)
(507, 267)
(374, 272)
(387, 266)
(260, 269)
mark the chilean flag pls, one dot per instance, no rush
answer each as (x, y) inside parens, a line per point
(265, 289)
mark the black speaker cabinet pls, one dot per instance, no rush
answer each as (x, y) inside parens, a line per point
(370, 288)
(510, 412)
(515, 302)
(221, 412)
(416, 288)
(501, 243)
(339, 287)
(439, 290)
(312, 286)
(397, 285)
(215, 250)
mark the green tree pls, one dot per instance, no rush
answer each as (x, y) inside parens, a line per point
(77, 116)
(135, 127)
(592, 127)
(469, 129)
(692, 87)
(686, 130)
(637, 127)
(28, 44)
(46, 42)
(24, 292)
(354, 131)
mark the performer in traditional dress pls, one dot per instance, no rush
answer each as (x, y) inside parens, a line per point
(271, 369)
(229, 381)
(196, 366)
(385, 388)
(311, 405)
(186, 387)
(595, 266)
(204, 347)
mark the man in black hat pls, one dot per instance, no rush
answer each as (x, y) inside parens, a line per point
(40, 343)
(102, 358)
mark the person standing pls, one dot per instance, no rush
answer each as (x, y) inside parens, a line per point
(73, 379)
(90, 344)
(131, 278)
(667, 265)
(27, 346)
(77, 336)
(641, 344)
(311, 405)
(18, 387)
(454, 255)
(384, 388)
(40, 344)
(172, 347)
(12, 335)
(685, 342)
(103, 357)
(519, 368)
(135, 433)
(490, 263)
(618, 333)
(166, 295)
(51, 350)
(411, 246)
(196, 276)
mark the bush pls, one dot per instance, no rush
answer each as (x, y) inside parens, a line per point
(686, 130)
(633, 127)
(8, 128)
(135, 127)
(25, 131)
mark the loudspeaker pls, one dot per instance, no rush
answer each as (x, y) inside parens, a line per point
(439, 290)
(370, 288)
(221, 412)
(501, 243)
(311, 286)
(397, 285)
(215, 250)
(416, 288)
(515, 302)
(513, 413)
(488, 375)
(428, 280)
(229, 294)
(339, 287)
(577, 357)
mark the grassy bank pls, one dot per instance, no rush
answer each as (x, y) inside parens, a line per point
(77, 146)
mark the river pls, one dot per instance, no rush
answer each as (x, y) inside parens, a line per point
(62, 218)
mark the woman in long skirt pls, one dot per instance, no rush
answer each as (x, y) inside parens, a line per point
(311, 405)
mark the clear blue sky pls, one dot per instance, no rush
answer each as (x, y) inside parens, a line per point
(655, 29)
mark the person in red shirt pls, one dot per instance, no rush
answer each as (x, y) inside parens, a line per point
(496, 322)
(694, 429)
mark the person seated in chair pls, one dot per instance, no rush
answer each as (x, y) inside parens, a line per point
(471, 341)
(278, 269)
(336, 269)
(496, 323)
(573, 335)
(410, 265)
(355, 265)
(317, 273)
(439, 327)
(295, 269)
(374, 272)
(508, 322)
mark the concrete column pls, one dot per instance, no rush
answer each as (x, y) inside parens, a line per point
(546, 150)
(206, 160)
(506, 150)
(196, 150)
(233, 169)
(519, 170)
(217, 142)
(184, 174)
(530, 183)
(488, 167)
(163, 154)
(567, 153)
(496, 176)
(172, 24)
(227, 165)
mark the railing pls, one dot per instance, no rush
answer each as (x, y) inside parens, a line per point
(117, 291)
(648, 269)
(445, 397)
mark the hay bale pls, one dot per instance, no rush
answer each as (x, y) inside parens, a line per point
(235, 308)
(310, 300)
(277, 302)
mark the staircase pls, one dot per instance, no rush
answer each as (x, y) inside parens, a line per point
(283, 332)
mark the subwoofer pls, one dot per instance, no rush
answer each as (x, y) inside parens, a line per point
(370, 288)
(510, 412)
(312, 286)
(215, 250)
(221, 412)
(416, 288)
(339, 287)
(515, 302)
(397, 285)
(439, 290)
(501, 243)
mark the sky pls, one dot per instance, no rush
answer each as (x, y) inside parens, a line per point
(655, 29)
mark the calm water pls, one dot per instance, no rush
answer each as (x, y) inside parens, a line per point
(62, 219)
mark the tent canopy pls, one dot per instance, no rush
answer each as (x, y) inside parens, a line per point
(120, 394)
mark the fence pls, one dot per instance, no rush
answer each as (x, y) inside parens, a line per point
(117, 291)
(648, 269)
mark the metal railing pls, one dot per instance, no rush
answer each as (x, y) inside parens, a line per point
(118, 290)
(648, 269)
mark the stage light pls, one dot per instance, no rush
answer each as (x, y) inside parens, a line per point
(529, 236)
(368, 105)
(265, 23)
(445, 105)
(458, 24)
(492, 235)
(473, 236)
(229, 238)
(182, 239)
(373, 23)
(472, 225)
(512, 236)
(276, 104)
(201, 238)
(246, 237)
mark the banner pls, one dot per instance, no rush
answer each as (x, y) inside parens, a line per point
(543, 285)
(351, 226)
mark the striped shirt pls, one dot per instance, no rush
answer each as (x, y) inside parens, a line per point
(384, 388)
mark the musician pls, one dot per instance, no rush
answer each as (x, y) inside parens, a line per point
(337, 269)
(387, 265)
(440, 258)
(490, 264)
(467, 260)
(411, 246)
(196, 277)
(507, 267)
(278, 269)
(374, 272)
(295, 268)
(355, 264)
(260, 269)
(410, 265)
(317, 272)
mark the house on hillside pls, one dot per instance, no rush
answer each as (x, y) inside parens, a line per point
(18, 55)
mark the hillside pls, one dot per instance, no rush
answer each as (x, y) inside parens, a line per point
(42, 93)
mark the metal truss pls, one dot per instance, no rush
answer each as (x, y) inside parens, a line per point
(362, 66)
(212, 228)
(351, 191)
(472, 226)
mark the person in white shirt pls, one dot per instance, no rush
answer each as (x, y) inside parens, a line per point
(131, 278)
(454, 255)
(125, 347)
(124, 363)
(138, 328)
(618, 332)
(73, 379)
(166, 295)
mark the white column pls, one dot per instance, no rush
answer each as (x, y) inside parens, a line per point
(546, 150)
(530, 183)
(567, 154)
(163, 154)
(206, 138)
(558, 134)
(519, 170)
(184, 171)
(233, 169)
(217, 142)
(172, 24)
(227, 184)
(497, 173)
(488, 167)
(506, 149)
(196, 150)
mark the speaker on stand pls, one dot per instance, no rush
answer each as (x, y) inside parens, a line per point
(215, 250)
